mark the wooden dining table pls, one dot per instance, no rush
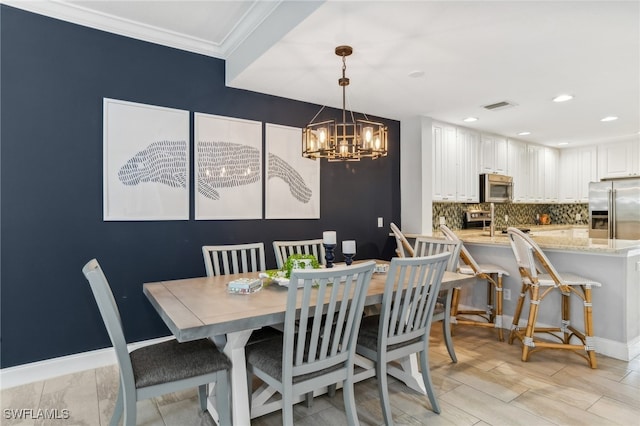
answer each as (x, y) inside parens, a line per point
(196, 308)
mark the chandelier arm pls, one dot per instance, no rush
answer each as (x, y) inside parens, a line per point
(317, 114)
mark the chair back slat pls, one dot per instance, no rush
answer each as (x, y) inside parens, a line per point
(234, 259)
(429, 246)
(329, 306)
(284, 249)
(409, 298)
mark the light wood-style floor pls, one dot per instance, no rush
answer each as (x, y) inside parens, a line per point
(488, 386)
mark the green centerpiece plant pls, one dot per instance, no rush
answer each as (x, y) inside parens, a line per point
(292, 260)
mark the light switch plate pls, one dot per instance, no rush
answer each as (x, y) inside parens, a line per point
(380, 222)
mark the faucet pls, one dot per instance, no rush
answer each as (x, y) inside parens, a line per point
(492, 226)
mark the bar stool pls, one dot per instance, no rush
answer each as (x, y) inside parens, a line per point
(531, 260)
(492, 316)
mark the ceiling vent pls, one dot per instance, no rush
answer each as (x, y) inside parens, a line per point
(499, 105)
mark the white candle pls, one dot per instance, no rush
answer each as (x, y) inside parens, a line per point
(329, 237)
(349, 246)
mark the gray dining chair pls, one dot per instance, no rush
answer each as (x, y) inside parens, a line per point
(284, 249)
(539, 280)
(233, 258)
(403, 327)
(492, 274)
(428, 246)
(236, 259)
(160, 368)
(322, 354)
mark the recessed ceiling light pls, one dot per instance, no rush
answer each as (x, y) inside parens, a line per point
(524, 133)
(610, 118)
(562, 98)
(416, 73)
(470, 119)
(563, 143)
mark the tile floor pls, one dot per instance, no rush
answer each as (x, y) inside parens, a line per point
(488, 386)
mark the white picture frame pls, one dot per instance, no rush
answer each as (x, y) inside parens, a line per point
(145, 162)
(292, 189)
(228, 168)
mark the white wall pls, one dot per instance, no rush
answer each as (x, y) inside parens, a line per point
(416, 151)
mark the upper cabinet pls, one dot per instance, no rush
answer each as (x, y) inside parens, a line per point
(550, 179)
(578, 167)
(468, 183)
(535, 154)
(493, 154)
(619, 159)
(540, 174)
(444, 162)
(455, 164)
(517, 167)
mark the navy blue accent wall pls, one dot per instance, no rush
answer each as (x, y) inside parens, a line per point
(54, 76)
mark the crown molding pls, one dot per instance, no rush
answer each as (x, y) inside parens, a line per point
(101, 21)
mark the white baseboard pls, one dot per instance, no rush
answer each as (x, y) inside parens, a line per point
(50, 368)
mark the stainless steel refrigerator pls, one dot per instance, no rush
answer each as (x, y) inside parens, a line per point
(614, 209)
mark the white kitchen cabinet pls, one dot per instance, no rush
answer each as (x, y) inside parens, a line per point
(535, 154)
(619, 159)
(578, 167)
(550, 179)
(517, 167)
(444, 162)
(468, 147)
(493, 154)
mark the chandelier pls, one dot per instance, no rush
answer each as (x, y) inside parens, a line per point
(344, 141)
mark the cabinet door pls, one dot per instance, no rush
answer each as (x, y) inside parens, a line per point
(517, 167)
(444, 162)
(536, 173)
(487, 154)
(468, 186)
(501, 157)
(569, 179)
(587, 172)
(493, 154)
(619, 159)
(550, 179)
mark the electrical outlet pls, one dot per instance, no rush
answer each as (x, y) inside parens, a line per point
(578, 217)
(506, 294)
(506, 218)
(380, 222)
(443, 221)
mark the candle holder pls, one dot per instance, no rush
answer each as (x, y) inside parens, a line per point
(348, 258)
(328, 254)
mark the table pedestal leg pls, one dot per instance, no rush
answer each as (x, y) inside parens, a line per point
(408, 373)
(234, 349)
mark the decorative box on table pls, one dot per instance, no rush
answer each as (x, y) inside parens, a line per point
(244, 285)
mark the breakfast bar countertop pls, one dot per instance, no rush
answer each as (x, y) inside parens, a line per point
(555, 237)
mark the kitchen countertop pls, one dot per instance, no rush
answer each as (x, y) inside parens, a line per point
(563, 237)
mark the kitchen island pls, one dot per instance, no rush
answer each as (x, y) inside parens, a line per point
(614, 263)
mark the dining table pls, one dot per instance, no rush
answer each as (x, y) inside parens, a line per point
(201, 307)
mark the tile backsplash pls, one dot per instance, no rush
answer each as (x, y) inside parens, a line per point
(519, 214)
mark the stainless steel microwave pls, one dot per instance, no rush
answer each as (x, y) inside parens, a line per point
(496, 188)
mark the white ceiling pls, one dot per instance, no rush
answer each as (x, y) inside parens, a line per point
(466, 55)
